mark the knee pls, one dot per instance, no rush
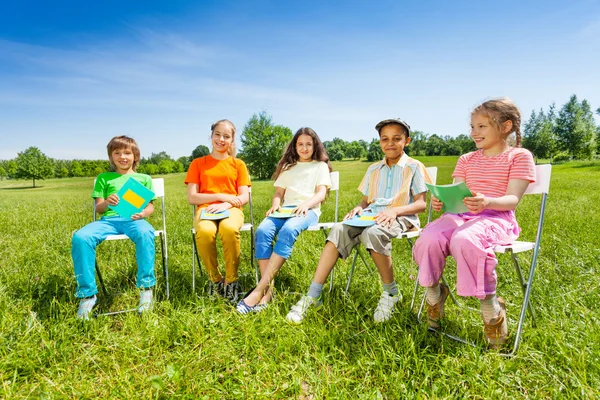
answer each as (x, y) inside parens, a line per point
(459, 241)
(289, 233)
(81, 238)
(264, 233)
(228, 232)
(429, 239)
(205, 235)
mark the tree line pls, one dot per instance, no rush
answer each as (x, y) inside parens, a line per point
(570, 133)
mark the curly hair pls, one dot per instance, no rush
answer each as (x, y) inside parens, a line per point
(291, 157)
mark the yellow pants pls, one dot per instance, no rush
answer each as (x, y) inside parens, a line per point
(206, 241)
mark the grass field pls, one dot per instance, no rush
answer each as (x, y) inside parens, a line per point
(192, 347)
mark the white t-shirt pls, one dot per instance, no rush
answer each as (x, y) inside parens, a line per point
(300, 182)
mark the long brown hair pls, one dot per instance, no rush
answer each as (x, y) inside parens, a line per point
(291, 157)
(123, 142)
(231, 150)
(498, 112)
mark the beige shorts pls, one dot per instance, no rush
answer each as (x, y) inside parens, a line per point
(374, 237)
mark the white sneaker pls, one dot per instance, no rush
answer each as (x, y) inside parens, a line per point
(85, 307)
(146, 301)
(386, 305)
(299, 310)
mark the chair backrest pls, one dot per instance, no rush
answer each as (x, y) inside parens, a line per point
(158, 186)
(542, 180)
(432, 171)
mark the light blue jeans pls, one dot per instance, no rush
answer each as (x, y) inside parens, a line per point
(86, 239)
(288, 229)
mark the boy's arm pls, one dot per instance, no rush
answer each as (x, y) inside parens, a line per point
(145, 213)
(364, 203)
(388, 216)
(102, 204)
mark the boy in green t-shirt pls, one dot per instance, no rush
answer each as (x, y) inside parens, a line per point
(124, 156)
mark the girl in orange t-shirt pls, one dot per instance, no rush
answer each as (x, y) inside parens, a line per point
(219, 182)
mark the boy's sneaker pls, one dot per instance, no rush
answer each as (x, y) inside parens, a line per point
(436, 312)
(299, 310)
(216, 288)
(386, 305)
(85, 307)
(496, 331)
(146, 301)
(233, 291)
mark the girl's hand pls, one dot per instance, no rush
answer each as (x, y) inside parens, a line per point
(356, 210)
(273, 209)
(301, 210)
(235, 201)
(386, 218)
(112, 200)
(218, 207)
(477, 203)
(436, 204)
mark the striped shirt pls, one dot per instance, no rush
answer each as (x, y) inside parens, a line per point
(490, 175)
(396, 186)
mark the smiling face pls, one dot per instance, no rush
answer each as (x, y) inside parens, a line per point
(392, 139)
(489, 136)
(123, 159)
(222, 137)
(305, 148)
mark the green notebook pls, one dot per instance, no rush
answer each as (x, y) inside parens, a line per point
(452, 196)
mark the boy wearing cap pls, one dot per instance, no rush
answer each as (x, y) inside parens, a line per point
(395, 190)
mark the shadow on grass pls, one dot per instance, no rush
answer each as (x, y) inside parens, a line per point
(21, 188)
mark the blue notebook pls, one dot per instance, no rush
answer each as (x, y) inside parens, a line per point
(284, 212)
(366, 219)
(214, 216)
(133, 198)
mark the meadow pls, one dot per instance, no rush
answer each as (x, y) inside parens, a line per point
(193, 347)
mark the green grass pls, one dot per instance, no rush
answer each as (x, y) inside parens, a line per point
(193, 347)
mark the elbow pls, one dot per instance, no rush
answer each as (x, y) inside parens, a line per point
(190, 199)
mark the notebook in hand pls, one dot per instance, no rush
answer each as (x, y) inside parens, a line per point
(133, 198)
(452, 196)
(284, 212)
(214, 216)
(367, 218)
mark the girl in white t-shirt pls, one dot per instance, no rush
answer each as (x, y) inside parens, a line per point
(301, 180)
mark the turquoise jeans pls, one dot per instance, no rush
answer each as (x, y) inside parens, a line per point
(86, 239)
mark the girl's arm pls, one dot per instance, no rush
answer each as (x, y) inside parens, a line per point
(204, 198)
(364, 203)
(277, 198)
(510, 200)
(317, 199)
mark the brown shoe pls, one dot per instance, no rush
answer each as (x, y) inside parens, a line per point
(496, 331)
(436, 312)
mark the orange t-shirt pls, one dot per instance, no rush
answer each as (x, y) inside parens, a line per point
(217, 176)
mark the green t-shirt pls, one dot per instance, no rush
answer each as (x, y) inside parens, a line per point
(109, 183)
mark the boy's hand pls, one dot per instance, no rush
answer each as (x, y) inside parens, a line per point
(386, 218)
(216, 208)
(137, 216)
(477, 203)
(356, 210)
(273, 209)
(112, 200)
(301, 210)
(436, 204)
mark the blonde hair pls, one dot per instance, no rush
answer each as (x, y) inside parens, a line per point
(123, 142)
(231, 150)
(500, 110)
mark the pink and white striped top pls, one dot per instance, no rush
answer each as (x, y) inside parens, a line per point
(490, 175)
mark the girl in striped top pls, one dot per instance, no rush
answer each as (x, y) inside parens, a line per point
(497, 176)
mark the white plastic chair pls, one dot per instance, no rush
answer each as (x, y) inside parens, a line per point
(410, 236)
(247, 227)
(540, 186)
(158, 185)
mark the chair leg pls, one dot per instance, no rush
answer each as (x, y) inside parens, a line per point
(163, 250)
(195, 257)
(357, 254)
(100, 279)
(254, 265)
(523, 283)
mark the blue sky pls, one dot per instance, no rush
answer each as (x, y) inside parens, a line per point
(73, 74)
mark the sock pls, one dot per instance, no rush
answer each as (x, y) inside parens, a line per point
(391, 288)
(315, 290)
(434, 295)
(490, 308)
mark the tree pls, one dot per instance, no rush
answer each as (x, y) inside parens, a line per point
(375, 153)
(199, 151)
(418, 143)
(355, 150)
(11, 169)
(575, 128)
(33, 164)
(76, 169)
(156, 158)
(335, 152)
(185, 163)
(151, 169)
(538, 134)
(263, 144)
(178, 167)
(2, 173)
(165, 167)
